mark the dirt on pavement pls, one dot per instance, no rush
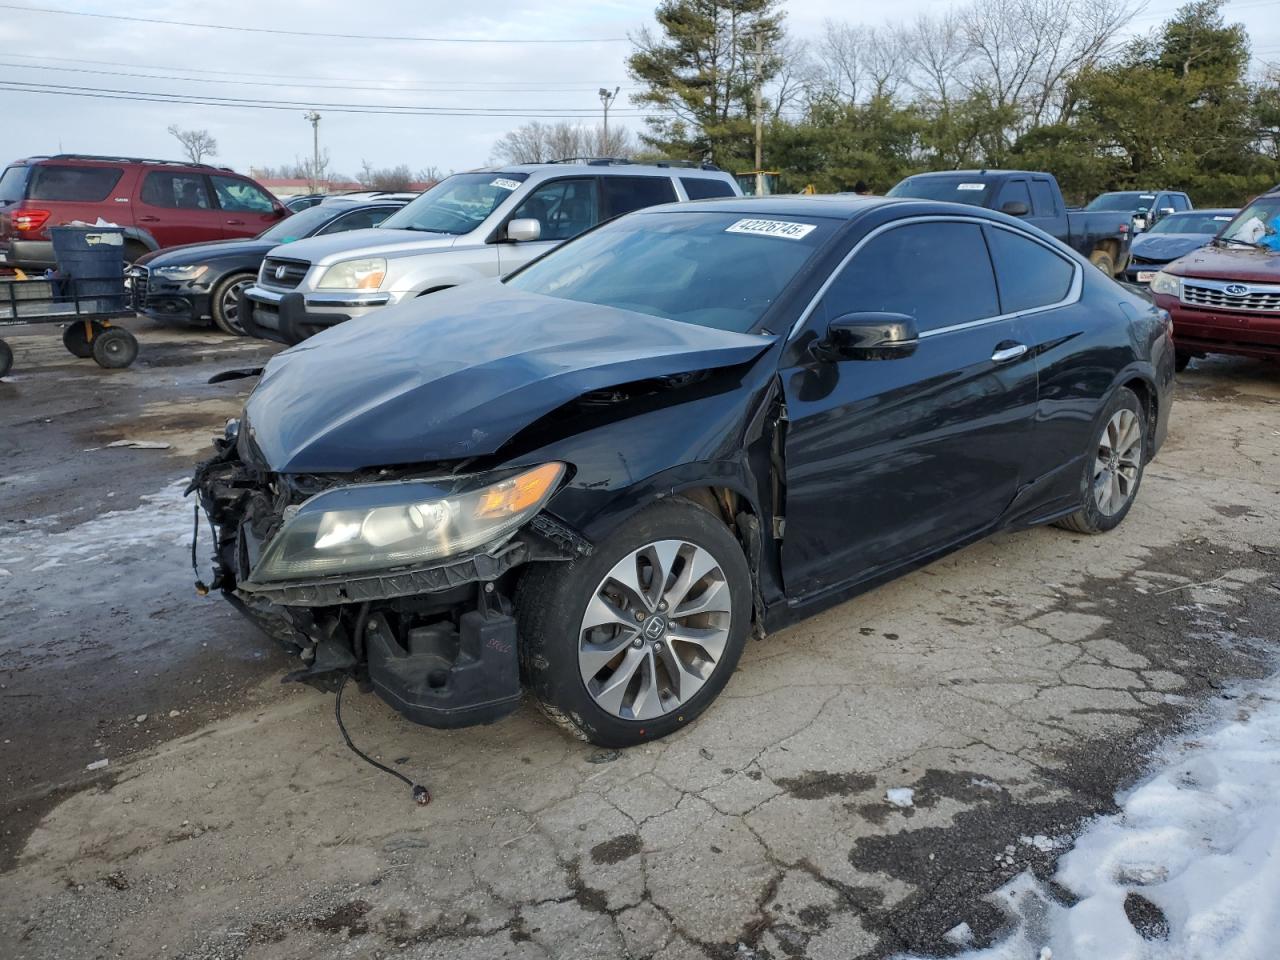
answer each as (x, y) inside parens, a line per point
(864, 780)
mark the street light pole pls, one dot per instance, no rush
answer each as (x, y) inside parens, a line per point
(315, 149)
(606, 98)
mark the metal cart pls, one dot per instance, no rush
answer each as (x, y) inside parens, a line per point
(88, 316)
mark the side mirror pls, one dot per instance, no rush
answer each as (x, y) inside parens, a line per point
(1015, 208)
(869, 336)
(524, 230)
(1165, 211)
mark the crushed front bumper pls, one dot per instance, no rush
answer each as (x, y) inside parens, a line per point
(437, 642)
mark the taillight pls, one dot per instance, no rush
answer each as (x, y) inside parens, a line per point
(1124, 228)
(27, 220)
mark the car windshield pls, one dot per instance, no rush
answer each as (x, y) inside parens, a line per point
(1197, 221)
(959, 189)
(457, 204)
(302, 224)
(720, 270)
(1257, 225)
(1127, 200)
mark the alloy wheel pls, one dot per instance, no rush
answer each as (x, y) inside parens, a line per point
(230, 305)
(654, 630)
(1118, 462)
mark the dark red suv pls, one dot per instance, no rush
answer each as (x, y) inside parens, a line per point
(160, 203)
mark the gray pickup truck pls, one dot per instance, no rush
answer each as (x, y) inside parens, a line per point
(1102, 236)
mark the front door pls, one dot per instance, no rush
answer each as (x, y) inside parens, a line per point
(888, 461)
(564, 208)
(246, 208)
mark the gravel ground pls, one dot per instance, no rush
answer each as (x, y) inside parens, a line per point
(867, 777)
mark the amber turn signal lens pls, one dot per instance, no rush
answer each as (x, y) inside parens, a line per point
(520, 492)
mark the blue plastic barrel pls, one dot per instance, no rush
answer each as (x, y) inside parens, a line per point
(92, 257)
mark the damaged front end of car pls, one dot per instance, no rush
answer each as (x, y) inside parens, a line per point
(402, 578)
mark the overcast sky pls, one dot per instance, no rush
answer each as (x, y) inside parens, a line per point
(483, 77)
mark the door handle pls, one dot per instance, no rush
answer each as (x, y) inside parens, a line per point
(237, 223)
(1008, 351)
(148, 219)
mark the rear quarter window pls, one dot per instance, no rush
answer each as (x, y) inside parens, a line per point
(704, 188)
(1029, 274)
(74, 184)
(13, 184)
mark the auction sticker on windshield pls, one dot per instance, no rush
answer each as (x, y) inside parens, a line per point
(505, 184)
(971, 186)
(786, 229)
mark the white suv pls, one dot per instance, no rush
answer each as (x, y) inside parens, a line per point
(469, 226)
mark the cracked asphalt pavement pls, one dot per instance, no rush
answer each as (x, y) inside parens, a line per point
(1011, 688)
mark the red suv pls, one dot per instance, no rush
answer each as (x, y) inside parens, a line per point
(159, 203)
(1225, 297)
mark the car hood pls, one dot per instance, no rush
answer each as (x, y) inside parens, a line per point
(460, 373)
(200, 252)
(1164, 247)
(372, 242)
(1230, 263)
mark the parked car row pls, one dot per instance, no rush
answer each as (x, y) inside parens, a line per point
(470, 226)
(204, 281)
(593, 478)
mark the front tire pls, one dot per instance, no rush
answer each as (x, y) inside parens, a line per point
(1113, 467)
(633, 642)
(224, 303)
(1103, 260)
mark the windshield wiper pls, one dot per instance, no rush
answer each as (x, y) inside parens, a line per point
(443, 233)
(1246, 243)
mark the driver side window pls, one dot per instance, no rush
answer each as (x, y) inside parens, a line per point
(939, 273)
(565, 208)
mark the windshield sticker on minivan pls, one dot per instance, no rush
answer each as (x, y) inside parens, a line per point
(1222, 218)
(772, 228)
(971, 186)
(505, 184)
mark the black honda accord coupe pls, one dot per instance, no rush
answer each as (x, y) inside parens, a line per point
(594, 479)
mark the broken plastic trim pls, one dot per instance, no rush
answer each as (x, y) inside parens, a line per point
(548, 540)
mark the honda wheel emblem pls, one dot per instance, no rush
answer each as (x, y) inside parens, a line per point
(1235, 289)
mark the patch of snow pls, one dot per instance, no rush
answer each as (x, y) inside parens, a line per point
(900, 796)
(1040, 842)
(1199, 842)
(961, 935)
(162, 518)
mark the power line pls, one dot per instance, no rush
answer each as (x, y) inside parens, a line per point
(303, 86)
(286, 76)
(294, 33)
(143, 96)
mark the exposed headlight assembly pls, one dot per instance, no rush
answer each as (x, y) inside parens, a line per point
(1167, 284)
(374, 527)
(366, 274)
(191, 271)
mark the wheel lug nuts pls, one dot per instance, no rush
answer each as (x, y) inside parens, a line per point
(662, 605)
(638, 642)
(640, 616)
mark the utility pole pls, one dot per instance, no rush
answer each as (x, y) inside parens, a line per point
(607, 98)
(315, 149)
(759, 118)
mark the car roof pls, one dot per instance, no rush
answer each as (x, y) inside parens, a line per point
(1205, 211)
(833, 206)
(979, 173)
(609, 170)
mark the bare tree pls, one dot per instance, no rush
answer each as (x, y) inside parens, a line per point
(536, 142)
(385, 178)
(936, 51)
(197, 144)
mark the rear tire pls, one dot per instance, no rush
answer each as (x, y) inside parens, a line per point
(133, 251)
(223, 305)
(115, 348)
(1103, 260)
(1113, 467)
(6, 358)
(630, 680)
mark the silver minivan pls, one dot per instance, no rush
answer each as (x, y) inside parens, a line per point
(469, 226)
